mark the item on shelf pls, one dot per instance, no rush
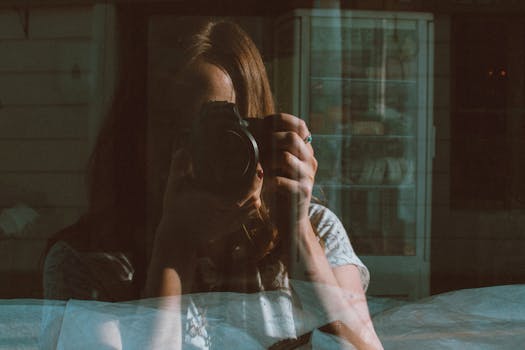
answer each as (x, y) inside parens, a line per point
(389, 113)
(409, 249)
(382, 111)
(408, 169)
(406, 210)
(370, 128)
(394, 68)
(390, 235)
(352, 71)
(325, 123)
(366, 172)
(373, 211)
(317, 122)
(394, 171)
(380, 171)
(359, 99)
(328, 151)
(335, 113)
(408, 48)
(353, 170)
(397, 69)
(326, 64)
(394, 122)
(317, 86)
(376, 72)
(373, 172)
(400, 126)
(334, 122)
(401, 62)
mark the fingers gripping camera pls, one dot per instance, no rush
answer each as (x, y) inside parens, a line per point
(225, 148)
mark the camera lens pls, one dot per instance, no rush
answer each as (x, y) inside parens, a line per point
(234, 157)
(224, 152)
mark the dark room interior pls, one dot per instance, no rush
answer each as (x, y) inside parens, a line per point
(453, 69)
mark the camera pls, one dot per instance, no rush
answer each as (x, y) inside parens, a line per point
(225, 149)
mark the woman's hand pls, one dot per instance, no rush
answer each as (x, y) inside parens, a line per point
(291, 164)
(203, 215)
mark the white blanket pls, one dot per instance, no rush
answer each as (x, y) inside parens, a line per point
(484, 318)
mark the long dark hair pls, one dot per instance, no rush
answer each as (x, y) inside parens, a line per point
(116, 181)
(225, 45)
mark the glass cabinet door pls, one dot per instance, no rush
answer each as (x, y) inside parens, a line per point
(363, 112)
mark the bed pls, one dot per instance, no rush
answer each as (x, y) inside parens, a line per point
(482, 318)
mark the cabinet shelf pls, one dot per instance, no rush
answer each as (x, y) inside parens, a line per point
(363, 137)
(344, 186)
(365, 80)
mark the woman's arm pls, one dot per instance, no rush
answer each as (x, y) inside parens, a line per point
(347, 302)
(292, 173)
(172, 263)
(169, 271)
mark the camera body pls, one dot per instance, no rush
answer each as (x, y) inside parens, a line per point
(225, 149)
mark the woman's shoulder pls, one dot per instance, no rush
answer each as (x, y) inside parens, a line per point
(73, 274)
(327, 225)
(322, 217)
(338, 248)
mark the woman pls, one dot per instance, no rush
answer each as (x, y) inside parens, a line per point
(255, 241)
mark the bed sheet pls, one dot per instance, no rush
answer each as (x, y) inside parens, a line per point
(482, 318)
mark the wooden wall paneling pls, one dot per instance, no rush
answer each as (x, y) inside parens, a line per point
(43, 155)
(48, 55)
(44, 89)
(43, 189)
(61, 22)
(11, 26)
(42, 122)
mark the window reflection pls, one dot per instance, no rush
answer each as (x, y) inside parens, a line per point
(414, 114)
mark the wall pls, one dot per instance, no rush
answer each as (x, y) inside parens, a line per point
(52, 62)
(481, 243)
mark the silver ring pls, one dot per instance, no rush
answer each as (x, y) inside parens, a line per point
(308, 139)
